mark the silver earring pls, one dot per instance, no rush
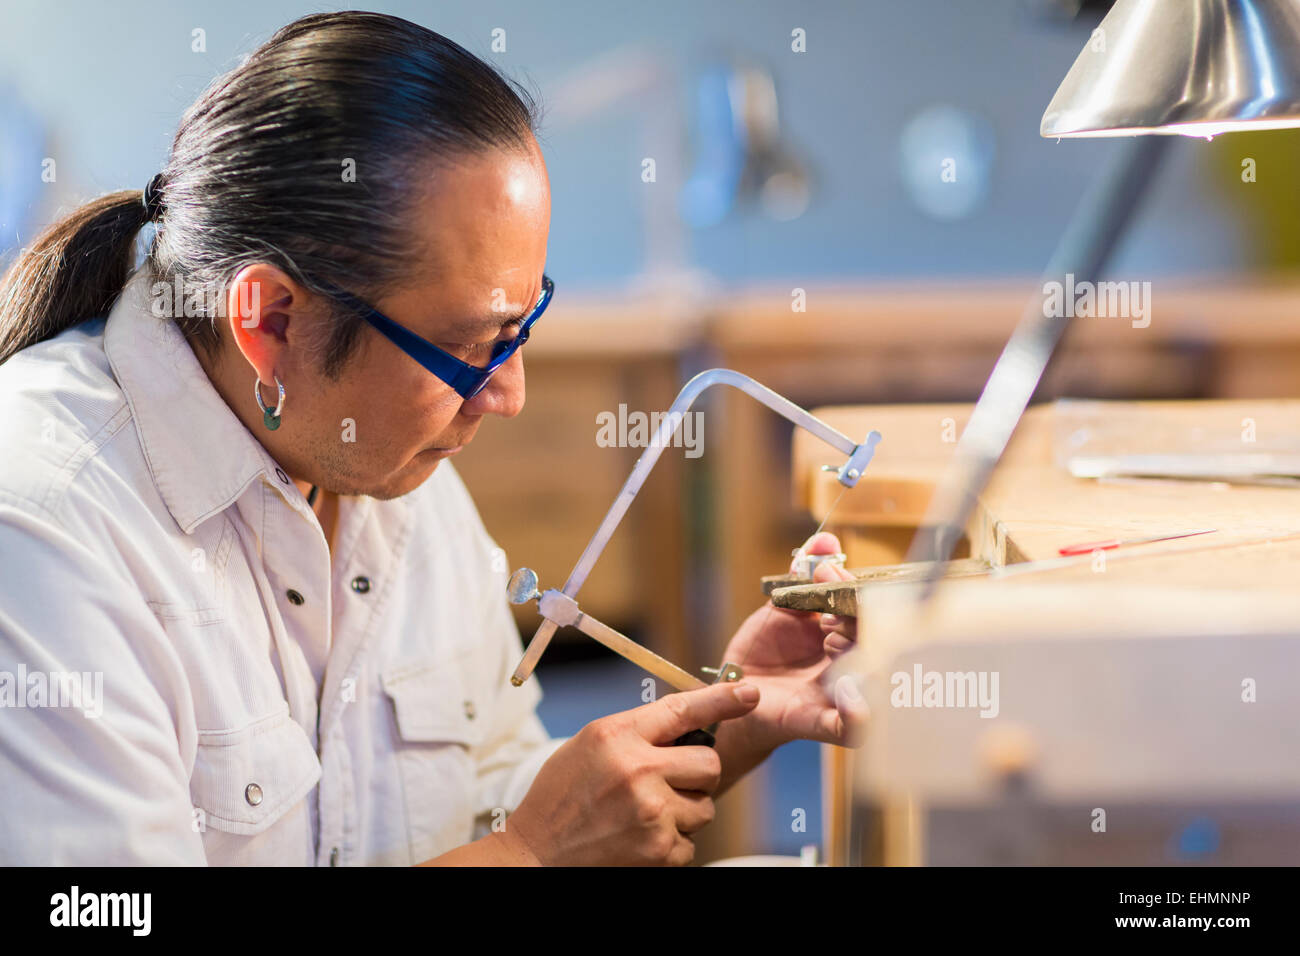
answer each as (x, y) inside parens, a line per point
(270, 418)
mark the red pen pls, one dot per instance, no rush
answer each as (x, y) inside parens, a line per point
(1090, 546)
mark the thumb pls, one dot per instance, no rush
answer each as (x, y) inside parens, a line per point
(823, 542)
(668, 718)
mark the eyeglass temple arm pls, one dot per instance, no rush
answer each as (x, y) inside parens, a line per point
(848, 475)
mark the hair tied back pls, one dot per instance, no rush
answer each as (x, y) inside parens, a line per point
(152, 198)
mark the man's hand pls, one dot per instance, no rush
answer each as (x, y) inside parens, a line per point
(786, 654)
(620, 793)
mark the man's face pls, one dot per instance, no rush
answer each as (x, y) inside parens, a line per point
(383, 427)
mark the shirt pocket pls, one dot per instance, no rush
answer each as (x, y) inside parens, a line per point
(438, 722)
(245, 782)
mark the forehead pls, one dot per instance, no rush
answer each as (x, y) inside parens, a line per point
(481, 227)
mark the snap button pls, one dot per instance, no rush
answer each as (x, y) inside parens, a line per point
(469, 709)
(282, 476)
(361, 584)
(253, 794)
(295, 597)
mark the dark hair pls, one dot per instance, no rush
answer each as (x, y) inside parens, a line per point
(256, 174)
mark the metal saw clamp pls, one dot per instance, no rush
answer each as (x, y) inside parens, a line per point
(560, 607)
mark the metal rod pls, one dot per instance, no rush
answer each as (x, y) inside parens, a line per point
(1084, 250)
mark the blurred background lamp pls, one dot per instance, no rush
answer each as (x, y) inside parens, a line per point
(22, 142)
(742, 154)
(1191, 67)
(946, 139)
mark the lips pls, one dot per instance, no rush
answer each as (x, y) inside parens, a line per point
(439, 451)
(456, 447)
(444, 450)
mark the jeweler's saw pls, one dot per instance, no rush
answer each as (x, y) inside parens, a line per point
(560, 607)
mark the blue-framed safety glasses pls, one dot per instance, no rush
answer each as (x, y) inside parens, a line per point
(468, 380)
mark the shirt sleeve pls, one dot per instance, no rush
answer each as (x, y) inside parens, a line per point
(92, 698)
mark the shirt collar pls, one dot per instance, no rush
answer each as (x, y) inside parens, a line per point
(200, 454)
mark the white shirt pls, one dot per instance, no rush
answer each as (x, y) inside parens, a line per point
(148, 538)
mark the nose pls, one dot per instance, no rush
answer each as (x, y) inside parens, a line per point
(504, 392)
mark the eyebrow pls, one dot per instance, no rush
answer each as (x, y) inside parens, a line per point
(486, 323)
(491, 320)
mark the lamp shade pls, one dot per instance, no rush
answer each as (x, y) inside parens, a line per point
(1195, 67)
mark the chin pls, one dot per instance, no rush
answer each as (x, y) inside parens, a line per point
(417, 470)
(416, 473)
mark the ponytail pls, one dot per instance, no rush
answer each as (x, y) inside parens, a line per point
(73, 272)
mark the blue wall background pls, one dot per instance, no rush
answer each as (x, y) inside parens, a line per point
(110, 81)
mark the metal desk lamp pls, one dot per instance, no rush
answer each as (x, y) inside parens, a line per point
(1190, 67)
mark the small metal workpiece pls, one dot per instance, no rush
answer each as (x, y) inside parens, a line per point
(805, 565)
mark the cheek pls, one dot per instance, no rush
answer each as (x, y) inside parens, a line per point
(398, 411)
(428, 411)
(433, 400)
(408, 395)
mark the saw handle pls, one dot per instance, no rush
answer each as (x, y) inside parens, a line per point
(706, 736)
(697, 738)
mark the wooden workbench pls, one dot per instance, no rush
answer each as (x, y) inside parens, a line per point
(1033, 506)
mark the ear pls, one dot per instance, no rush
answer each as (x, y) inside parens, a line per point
(262, 302)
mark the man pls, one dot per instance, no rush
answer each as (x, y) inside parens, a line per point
(246, 631)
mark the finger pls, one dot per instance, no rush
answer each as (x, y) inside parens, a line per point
(823, 542)
(837, 645)
(827, 572)
(835, 624)
(668, 718)
(691, 768)
(692, 811)
(851, 709)
(683, 852)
